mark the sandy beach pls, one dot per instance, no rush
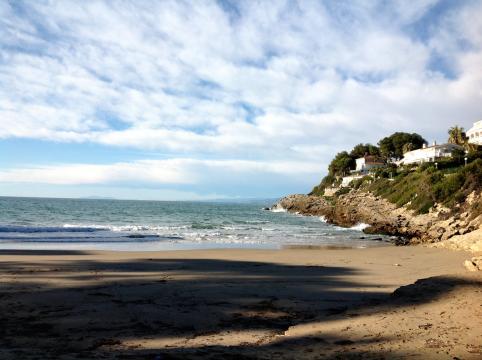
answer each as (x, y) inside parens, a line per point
(317, 303)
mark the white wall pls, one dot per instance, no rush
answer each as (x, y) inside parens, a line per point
(429, 153)
(475, 133)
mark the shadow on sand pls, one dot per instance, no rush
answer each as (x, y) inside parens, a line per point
(92, 309)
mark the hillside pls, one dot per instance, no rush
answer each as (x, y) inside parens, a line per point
(414, 204)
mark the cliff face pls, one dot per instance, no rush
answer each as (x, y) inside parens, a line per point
(384, 217)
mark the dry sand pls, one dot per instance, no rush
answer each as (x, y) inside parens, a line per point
(390, 302)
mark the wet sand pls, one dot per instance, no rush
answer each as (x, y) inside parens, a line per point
(388, 302)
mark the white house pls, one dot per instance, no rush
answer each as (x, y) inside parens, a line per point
(474, 134)
(368, 162)
(428, 153)
(363, 167)
(346, 180)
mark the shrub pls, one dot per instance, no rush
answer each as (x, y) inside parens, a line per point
(343, 191)
(422, 188)
(425, 166)
(448, 187)
(328, 181)
(356, 184)
(474, 155)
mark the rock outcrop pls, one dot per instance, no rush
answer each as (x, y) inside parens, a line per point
(305, 204)
(471, 241)
(358, 206)
(474, 264)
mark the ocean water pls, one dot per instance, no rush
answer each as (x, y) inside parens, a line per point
(38, 223)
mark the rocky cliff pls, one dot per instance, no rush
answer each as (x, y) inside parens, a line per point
(440, 225)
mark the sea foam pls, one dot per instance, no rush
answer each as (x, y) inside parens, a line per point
(360, 226)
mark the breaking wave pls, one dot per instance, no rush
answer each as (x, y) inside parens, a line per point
(360, 226)
(159, 224)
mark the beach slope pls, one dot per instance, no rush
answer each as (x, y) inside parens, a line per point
(387, 302)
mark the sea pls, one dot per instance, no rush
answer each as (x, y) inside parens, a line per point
(91, 224)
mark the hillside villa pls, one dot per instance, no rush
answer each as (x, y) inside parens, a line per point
(474, 134)
(364, 165)
(367, 163)
(428, 153)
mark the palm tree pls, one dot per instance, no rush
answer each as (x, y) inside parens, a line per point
(457, 136)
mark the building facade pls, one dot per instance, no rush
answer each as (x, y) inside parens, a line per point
(368, 162)
(429, 154)
(474, 134)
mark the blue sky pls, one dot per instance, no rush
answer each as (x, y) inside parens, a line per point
(220, 99)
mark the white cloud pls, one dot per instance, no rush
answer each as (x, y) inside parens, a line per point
(266, 83)
(142, 171)
(179, 171)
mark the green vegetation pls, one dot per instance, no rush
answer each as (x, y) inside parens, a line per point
(341, 164)
(361, 150)
(386, 172)
(409, 188)
(342, 191)
(457, 136)
(421, 189)
(393, 146)
(345, 161)
(356, 184)
(327, 181)
(447, 181)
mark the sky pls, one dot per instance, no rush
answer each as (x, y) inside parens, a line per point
(196, 100)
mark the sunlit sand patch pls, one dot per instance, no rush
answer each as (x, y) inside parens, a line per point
(223, 338)
(317, 247)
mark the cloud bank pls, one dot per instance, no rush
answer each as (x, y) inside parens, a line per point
(172, 171)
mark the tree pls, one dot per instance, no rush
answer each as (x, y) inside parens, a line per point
(408, 147)
(457, 136)
(392, 146)
(458, 156)
(361, 149)
(341, 164)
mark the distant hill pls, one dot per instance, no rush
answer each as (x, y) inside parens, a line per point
(244, 200)
(97, 198)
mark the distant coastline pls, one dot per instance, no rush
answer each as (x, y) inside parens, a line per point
(97, 198)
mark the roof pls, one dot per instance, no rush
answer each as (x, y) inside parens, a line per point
(372, 159)
(435, 147)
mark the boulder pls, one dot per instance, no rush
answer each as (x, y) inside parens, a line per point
(475, 264)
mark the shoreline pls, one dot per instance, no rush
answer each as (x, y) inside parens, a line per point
(461, 231)
(149, 247)
(250, 303)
